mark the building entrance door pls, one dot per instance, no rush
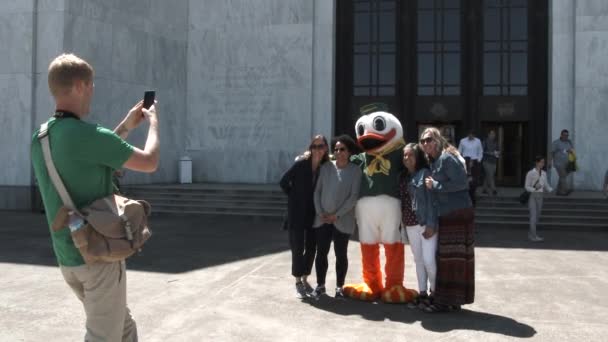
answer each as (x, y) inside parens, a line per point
(511, 138)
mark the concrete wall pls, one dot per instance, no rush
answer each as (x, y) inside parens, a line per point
(16, 88)
(579, 84)
(134, 46)
(252, 67)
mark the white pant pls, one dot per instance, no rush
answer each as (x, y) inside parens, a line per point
(378, 219)
(424, 251)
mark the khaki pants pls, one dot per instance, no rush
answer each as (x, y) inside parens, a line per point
(102, 289)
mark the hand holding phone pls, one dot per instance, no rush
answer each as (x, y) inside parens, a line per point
(149, 97)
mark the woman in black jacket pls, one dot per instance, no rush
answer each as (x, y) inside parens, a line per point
(299, 184)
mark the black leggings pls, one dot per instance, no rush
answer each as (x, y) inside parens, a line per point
(324, 236)
(303, 249)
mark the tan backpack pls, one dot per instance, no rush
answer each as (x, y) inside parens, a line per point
(115, 227)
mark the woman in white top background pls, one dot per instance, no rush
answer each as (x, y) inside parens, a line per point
(537, 185)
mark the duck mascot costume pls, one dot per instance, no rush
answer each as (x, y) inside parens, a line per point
(378, 210)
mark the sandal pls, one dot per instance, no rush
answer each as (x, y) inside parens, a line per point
(419, 302)
(437, 308)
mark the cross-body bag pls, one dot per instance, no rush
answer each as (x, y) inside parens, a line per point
(110, 229)
(524, 197)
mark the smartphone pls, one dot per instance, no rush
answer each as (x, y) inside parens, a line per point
(149, 98)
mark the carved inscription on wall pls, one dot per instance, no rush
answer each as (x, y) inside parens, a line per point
(251, 104)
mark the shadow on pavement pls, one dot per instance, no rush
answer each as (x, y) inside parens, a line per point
(185, 243)
(178, 244)
(440, 322)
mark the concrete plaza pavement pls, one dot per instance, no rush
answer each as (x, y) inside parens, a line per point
(228, 279)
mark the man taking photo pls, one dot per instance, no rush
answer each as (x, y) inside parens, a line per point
(85, 156)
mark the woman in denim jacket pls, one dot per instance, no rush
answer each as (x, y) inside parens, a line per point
(420, 220)
(455, 282)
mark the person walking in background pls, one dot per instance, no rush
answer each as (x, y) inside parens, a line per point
(298, 183)
(490, 158)
(559, 157)
(470, 147)
(85, 156)
(536, 184)
(455, 247)
(420, 221)
(336, 194)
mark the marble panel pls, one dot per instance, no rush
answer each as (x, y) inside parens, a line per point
(589, 136)
(591, 68)
(51, 5)
(592, 23)
(16, 32)
(591, 7)
(169, 19)
(50, 38)
(168, 67)
(131, 61)
(236, 165)
(245, 13)
(561, 111)
(17, 6)
(323, 68)
(92, 40)
(561, 8)
(562, 25)
(15, 120)
(44, 101)
(158, 17)
(249, 89)
(97, 10)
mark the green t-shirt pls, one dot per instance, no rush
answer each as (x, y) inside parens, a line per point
(85, 156)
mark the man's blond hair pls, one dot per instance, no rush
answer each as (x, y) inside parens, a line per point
(65, 70)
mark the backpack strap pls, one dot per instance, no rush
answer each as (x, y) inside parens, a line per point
(43, 137)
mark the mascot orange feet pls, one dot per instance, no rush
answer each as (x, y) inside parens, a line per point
(372, 276)
(372, 289)
(395, 292)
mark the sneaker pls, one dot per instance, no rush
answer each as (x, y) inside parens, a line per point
(339, 293)
(319, 290)
(301, 291)
(307, 286)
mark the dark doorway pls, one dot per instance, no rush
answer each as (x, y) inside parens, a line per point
(512, 137)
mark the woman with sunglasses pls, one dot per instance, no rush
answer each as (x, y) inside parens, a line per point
(298, 182)
(335, 197)
(455, 251)
(419, 217)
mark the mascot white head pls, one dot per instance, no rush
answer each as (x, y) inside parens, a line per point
(378, 132)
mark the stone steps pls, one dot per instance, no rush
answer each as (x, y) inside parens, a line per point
(213, 199)
(251, 200)
(558, 213)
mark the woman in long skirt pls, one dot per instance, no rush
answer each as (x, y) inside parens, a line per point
(455, 283)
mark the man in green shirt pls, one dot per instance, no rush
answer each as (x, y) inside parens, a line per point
(85, 156)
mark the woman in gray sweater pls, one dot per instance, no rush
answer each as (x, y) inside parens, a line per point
(335, 197)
